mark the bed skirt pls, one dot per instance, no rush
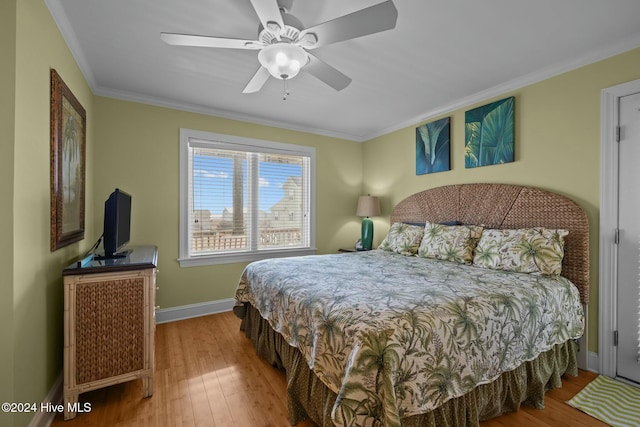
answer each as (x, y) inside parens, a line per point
(309, 398)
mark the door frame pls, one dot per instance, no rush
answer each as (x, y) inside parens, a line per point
(609, 169)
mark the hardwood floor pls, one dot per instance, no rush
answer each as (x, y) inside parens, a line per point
(207, 374)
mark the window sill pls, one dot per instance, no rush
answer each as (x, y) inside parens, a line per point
(230, 258)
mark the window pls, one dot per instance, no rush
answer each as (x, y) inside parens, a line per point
(244, 199)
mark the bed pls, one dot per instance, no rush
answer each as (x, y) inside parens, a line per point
(418, 334)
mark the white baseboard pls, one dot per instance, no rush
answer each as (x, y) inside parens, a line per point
(593, 362)
(44, 419)
(194, 310)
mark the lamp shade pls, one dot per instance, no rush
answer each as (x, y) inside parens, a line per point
(283, 60)
(368, 206)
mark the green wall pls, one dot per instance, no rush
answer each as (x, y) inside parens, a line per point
(7, 123)
(37, 293)
(138, 150)
(557, 148)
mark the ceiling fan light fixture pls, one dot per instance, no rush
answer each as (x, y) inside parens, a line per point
(283, 60)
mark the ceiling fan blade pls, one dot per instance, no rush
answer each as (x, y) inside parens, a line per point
(207, 41)
(326, 73)
(374, 19)
(269, 13)
(257, 81)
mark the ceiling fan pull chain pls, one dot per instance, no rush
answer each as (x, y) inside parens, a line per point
(285, 92)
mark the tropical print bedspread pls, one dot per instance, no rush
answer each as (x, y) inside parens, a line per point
(395, 336)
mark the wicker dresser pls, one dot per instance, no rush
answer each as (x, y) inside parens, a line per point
(109, 324)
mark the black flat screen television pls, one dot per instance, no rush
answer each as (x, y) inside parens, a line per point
(117, 224)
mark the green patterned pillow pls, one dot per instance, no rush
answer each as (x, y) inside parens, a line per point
(402, 238)
(449, 242)
(527, 250)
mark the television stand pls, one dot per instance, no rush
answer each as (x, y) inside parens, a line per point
(109, 323)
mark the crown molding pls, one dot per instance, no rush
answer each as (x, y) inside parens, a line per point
(225, 114)
(518, 83)
(70, 38)
(60, 18)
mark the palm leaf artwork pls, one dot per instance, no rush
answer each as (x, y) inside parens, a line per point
(489, 134)
(432, 147)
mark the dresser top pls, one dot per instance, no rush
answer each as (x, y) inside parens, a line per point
(136, 258)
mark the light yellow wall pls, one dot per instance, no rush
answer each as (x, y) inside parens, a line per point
(557, 148)
(137, 150)
(7, 121)
(37, 282)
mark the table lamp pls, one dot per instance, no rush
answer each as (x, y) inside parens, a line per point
(367, 206)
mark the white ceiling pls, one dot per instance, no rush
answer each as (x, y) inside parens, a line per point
(442, 55)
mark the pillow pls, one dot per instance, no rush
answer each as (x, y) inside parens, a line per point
(449, 242)
(527, 250)
(402, 238)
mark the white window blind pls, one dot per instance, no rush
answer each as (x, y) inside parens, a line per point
(245, 199)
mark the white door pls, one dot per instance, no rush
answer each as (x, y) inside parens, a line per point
(628, 297)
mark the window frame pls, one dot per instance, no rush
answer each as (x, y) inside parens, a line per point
(216, 140)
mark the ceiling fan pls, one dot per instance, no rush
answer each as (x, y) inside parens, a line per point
(285, 45)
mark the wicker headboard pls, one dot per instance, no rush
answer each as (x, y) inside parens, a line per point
(507, 206)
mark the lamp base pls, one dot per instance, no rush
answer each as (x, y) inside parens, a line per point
(367, 234)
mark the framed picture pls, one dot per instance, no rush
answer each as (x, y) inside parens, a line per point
(432, 147)
(489, 134)
(68, 138)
